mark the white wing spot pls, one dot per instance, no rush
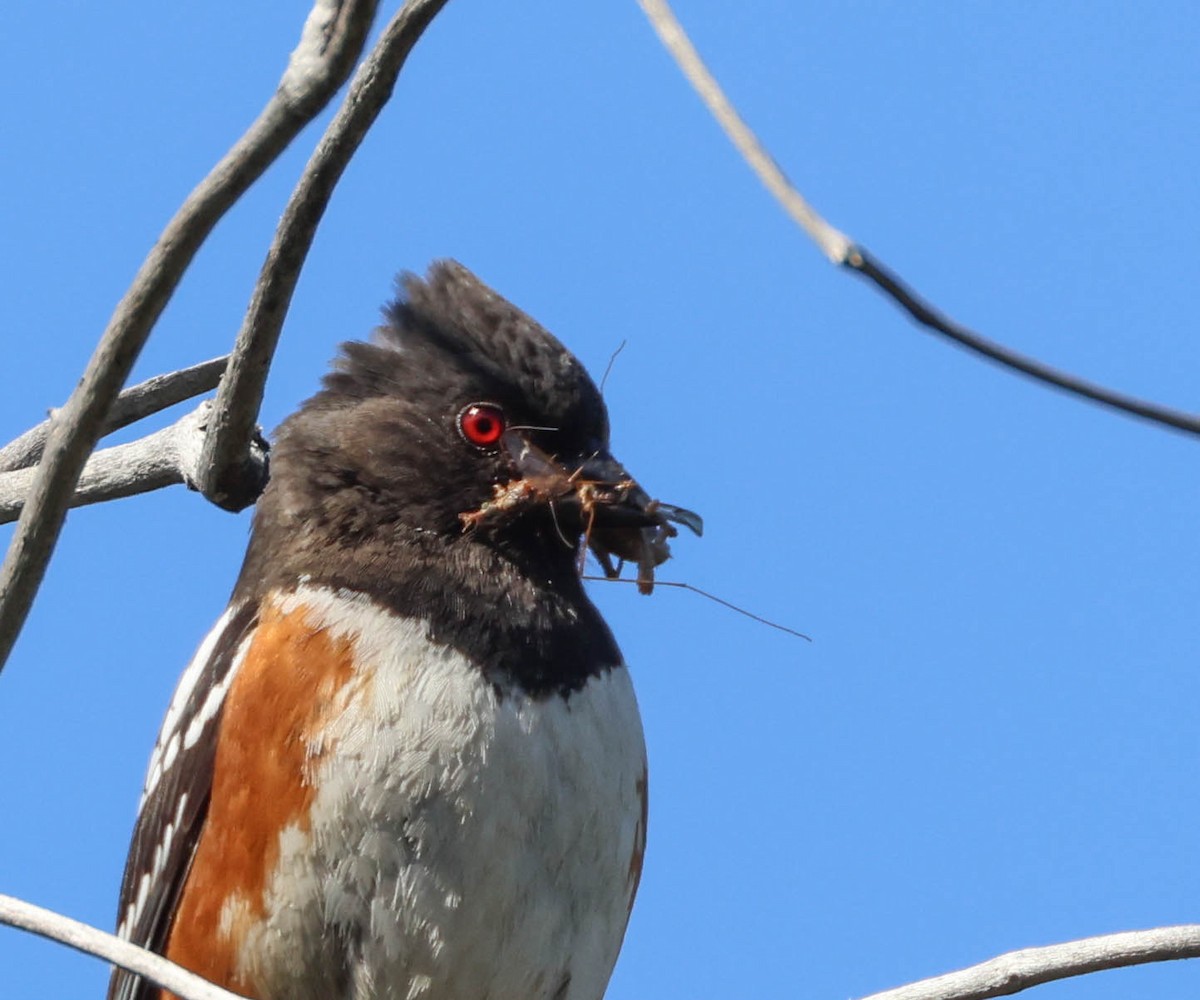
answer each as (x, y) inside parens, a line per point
(133, 912)
(139, 903)
(212, 705)
(168, 735)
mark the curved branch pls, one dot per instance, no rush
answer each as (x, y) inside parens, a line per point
(841, 250)
(240, 396)
(332, 38)
(1018, 970)
(130, 406)
(834, 244)
(82, 937)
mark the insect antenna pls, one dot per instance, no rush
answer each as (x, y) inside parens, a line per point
(586, 541)
(609, 367)
(557, 527)
(712, 597)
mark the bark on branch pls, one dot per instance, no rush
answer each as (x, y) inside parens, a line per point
(133, 404)
(166, 458)
(1018, 970)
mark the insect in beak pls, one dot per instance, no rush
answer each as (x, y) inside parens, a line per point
(616, 516)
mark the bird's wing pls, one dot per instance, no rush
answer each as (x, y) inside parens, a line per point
(176, 795)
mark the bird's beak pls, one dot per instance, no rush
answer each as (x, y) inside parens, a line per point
(617, 517)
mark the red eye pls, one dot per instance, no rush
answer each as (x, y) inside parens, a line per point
(482, 424)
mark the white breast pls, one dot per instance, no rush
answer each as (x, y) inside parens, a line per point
(465, 845)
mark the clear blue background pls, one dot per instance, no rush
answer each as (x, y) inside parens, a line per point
(992, 741)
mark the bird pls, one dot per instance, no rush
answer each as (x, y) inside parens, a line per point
(407, 762)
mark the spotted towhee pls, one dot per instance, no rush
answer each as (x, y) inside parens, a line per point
(407, 761)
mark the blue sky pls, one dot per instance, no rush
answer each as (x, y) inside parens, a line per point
(992, 741)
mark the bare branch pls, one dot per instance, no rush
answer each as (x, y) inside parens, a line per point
(142, 400)
(841, 250)
(82, 937)
(1018, 970)
(166, 458)
(241, 393)
(1001, 976)
(330, 43)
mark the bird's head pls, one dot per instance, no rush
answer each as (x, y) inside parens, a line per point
(464, 420)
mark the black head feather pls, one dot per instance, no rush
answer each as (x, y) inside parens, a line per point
(451, 334)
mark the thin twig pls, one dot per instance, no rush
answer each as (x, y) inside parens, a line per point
(133, 404)
(332, 38)
(82, 937)
(167, 457)
(1018, 970)
(842, 250)
(863, 263)
(241, 393)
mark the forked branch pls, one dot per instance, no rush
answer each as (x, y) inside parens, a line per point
(330, 43)
(133, 404)
(168, 457)
(240, 397)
